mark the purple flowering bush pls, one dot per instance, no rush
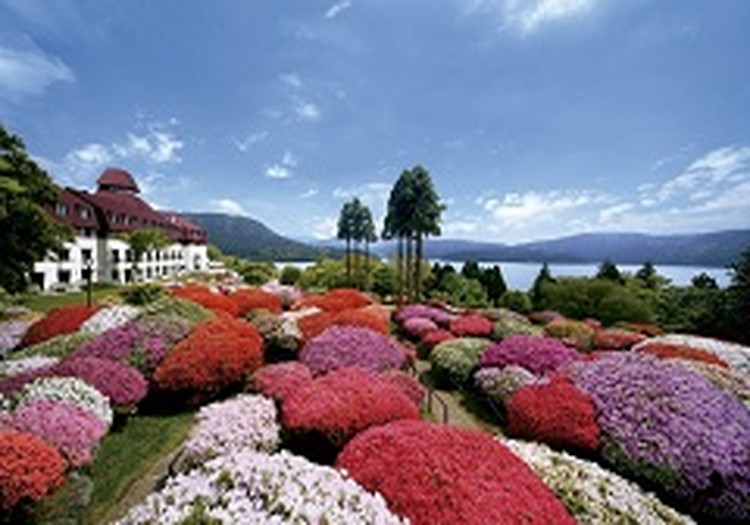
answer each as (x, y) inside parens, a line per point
(419, 326)
(534, 353)
(436, 315)
(348, 346)
(123, 385)
(674, 428)
(72, 430)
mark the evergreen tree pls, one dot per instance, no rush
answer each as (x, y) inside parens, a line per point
(608, 270)
(543, 279)
(704, 281)
(346, 232)
(493, 283)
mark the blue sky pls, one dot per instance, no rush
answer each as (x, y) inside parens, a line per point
(536, 118)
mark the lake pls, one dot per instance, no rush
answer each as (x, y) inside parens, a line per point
(521, 275)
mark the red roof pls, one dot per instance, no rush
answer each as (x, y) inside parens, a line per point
(117, 179)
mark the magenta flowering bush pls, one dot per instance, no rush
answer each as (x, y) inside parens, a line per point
(535, 353)
(665, 424)
(72, 430)
(123, 385)
(350, 346)
(436, 315)
(419, 326)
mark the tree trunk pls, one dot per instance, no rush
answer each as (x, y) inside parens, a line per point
(400, 266)
(367, 263)
(418, 269)
(348, 260)
(409, 263)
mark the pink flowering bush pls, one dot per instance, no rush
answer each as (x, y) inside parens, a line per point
(347, 346)
(471, 326)
(535, 353)
(409, 385)
(279, 380)
(417, 327)
(431, 473)
(436, 315)
(72, 430)
(123, 385)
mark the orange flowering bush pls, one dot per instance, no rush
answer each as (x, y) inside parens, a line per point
(218, 355)
(203, 296)
(669, 350)
(336, 300)
(29, 468)
(63, 320)
(253, 299)
(315, 324)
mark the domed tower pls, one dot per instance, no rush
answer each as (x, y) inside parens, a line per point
(117, 180)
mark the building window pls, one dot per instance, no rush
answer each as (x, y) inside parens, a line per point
(61, 209)
(148, 273)
(115, 275)
(88, 232)
(63, 255)
(86, 255)
(85, 213)
(115, 256)
(63, 276)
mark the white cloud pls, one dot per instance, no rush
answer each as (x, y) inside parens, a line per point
(614, 214)
(277, 171)
(534, 205)
(292, 80)
(312, 192)
(29, 73)
(336, 9)
(527, 16)
(249, 141)
(228, 206)
(306, 111)
(289, 159)
(324, 228)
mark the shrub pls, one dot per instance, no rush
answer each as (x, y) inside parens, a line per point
(535, 353)
(217, 356)
(406, 383)
(336, 300)
(201, 295)
(60, 346)
(13, 367)
(281, 335)
(454, 361)
(471, 326)
(279, 380)
(573, 333)
(545, 316)
(252, 487)
(29, 469)
(500, 383)
(506, 327)
(315, 324)
(143, 294)
(11, 334)
(174, 306)
(736, 356)
(70, 390)
(123, 385)
(290, 275)
(592, 494)
(343, 403)
(346, 346)
(430, 473)
(556, 413)
(418, 327)
(436, 315)
(72, 430)
(670, 350)
(615, 339)
(59, 321)
(517, 301)
(253, 299)
(110, 317)
(672, 427)
(727, 379)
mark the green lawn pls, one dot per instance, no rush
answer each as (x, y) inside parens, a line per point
(126, 455)
(47, 301)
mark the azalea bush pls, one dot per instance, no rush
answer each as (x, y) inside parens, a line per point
(14, 367)
(72, 430)
(279, 380)
(218, 355)
(281, 335)
(408, 384)
(423, 311)
(70, 390)
(123, 385)
(30, 469)
(346, 346)
(110, 317)
(342, 403)
(735, 355)
(615, 339)
(315, 324)
(418, 327)
(577, 334)
(592, 494)
(674, 428)
(244, 422)
(556, 413)
(471, 326)
(500, 383)
(727, 379)
(671, 350)
(544, 317)
(453, 362)
(430, 473)
(537, 354)
(251, 299)
(253, 487)
(175, 306)
(214, 301)
(335, 300)
(63, 320)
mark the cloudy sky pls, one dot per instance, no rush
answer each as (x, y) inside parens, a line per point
(536, 118)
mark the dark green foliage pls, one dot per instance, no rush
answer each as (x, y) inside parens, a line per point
(143, 294)
(493, 283)
(609, 271)
(290, 275)
(27, 231)
(543, 279)
(648, 276)
(385, 280)
(257, 273)
(704, 282)
(460, 291)
(517, 301)
(471, 270)
(144, 241)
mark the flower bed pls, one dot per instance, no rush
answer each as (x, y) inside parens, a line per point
(252, 487)
(344, 402)
(110, 317)
(537, 354)
(201, 295)
(279, 380)
(123, 385)
(67, 389)
(436, 315)
(573, 333)
(72, 430)
(346, 346)
(59, 321)
(471, 326)
(453, 362)
(544, 317)
(557, 413)
(736, 356)
(670, 350)
(500, 383)
(335, 300)
(592, 494)
(662, 423)
(29, 468)
(440, 474)
(615, 339)
(253, 299)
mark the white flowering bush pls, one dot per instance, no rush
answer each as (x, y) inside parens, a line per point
(14, 367)
(11, 333)
(733, 354)
(253, 487)
(110, 317)
(592, 494)
(245, 422)
(70, 389)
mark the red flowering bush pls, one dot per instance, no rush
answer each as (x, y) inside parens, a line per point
(573, 333)
(29, 468)
(279, 380)
(63, 320)
(335, 300)
(545, 316)
(315, 324)
(670, 350)
(409, 385)
(557, 413)
(253, 299)
(219, 354)
(123, 385)
(430, 474)
(615, 339)
(344, 402)
(434, 338)
(471, 326)
(201, 295)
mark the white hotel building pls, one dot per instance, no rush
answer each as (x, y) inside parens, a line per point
(99, 220)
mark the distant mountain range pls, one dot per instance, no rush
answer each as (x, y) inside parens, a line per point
(251, 239)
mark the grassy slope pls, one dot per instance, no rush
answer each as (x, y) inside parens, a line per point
(46, 302)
